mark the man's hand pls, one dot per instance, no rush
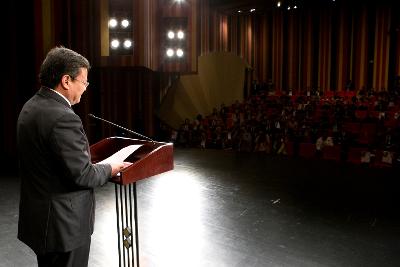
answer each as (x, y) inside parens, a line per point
(118, 167)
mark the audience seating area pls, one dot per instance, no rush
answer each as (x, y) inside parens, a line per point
(343, 127)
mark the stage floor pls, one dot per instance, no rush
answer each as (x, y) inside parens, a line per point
(222, 208)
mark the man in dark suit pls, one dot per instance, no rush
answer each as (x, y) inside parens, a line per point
(56, 212)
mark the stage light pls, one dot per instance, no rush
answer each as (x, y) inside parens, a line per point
(112, 23)
(114, 44)
(278, 4)
(171, 35)
(179, 52)
(180, 35)
(179, 1)
(239, 11)
(125, 23)
(170, 52)
(127, 43)
(252, 10)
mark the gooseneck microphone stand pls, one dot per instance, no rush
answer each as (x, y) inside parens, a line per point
(123, 128)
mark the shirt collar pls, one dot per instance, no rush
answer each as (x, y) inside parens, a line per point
(69, 103)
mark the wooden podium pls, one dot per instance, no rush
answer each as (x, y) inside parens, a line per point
(150, 159)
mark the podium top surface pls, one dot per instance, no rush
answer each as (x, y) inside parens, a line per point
(150, 159)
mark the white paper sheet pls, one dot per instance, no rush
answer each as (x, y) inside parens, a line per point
(121, 155)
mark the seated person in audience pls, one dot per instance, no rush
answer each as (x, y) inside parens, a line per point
(198, 121)
(227, 139)
(203, 139)
(182, 138)
(246, 140)
(217, 137)
(328, 141)
(387, 157)
(282, 146)
(388, 139)
(261, 142)
(365, 158)
(381, 116)
(174, 135)
(319, 144)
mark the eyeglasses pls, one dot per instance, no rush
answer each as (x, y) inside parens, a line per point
(86, 84)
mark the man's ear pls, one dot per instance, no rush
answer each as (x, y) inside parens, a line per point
(65, 80)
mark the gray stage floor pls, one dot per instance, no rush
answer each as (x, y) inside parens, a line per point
(221, 208)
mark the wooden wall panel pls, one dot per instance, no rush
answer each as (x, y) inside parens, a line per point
(360, 66)
(277, 50)
(308, 52)
(320, 46)
(381, 51)
(124, 95)
(396, 28)
(324, 56)
(204, 28)
(343, 68)
(293, 48)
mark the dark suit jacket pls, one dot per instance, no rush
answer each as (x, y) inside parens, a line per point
(56, 211)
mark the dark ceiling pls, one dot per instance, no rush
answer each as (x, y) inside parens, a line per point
(233, 6)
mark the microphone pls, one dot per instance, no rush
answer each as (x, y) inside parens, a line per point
(123, 128)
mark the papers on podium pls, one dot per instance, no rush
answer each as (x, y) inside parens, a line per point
(121, 155)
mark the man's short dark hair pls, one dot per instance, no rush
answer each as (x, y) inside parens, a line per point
(58, 62)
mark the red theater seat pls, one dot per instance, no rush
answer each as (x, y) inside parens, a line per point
(354, 154)
(332, 152)
(307, 150)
